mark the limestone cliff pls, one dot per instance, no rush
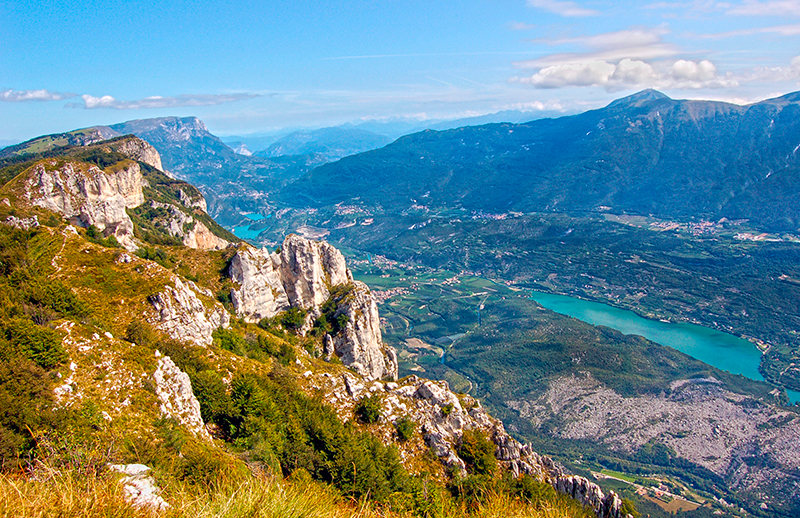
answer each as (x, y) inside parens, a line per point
(308, 269)
(139, 150)
(88, 195)
(175, 221)
(183, 316)
(303, 275)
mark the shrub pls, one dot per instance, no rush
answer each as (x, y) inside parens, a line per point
(368, 410)
(293, 318)
(141, 333)
(39, 344)
(230, 341)
(405, 428)
(477, 452)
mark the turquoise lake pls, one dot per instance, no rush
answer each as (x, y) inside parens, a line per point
(244, 231)
(723, 351)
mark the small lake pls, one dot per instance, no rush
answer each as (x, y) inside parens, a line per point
(721, 350)
(254, 216)
(244, 231)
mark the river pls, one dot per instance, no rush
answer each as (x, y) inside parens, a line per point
(721, 350)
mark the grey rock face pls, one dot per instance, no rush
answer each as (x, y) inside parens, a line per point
(183, 316)
(192, 233)
(261, 293)
(359, 344)
(138, 149)
(90, 196)
(442, 417)
(174, 391)
(303, 276)
(308, 269)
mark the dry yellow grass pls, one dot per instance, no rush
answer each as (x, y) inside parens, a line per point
(68, 496)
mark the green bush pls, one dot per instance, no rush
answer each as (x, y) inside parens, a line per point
(369, 409)
(230, 341)
(27, 340)
(477, 452)
(293, 318)
(405, 428)
(141, 333)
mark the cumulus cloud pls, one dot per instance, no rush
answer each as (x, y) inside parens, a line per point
(629, 73)
(16, 96)
(90, 102)
(563, 8)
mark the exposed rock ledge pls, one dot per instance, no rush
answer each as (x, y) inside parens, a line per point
(89, 196)
(302, 276)
(183, 316)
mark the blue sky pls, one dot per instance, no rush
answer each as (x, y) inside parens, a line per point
(246, 66)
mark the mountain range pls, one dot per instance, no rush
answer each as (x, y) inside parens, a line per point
(645, 154)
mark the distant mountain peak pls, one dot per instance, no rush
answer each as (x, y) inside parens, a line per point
(788, 98)
(639, 97)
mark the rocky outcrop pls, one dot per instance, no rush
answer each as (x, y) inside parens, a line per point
(23, 223)
(192, 232)
(86, 195)
(183, 316)
(197, 200)
(174, 391)
(139, 150)
(140, 489)
(304, 275)
(261, 293)
(442, 417)
(359, 343)
(308, 269)
(589, 493)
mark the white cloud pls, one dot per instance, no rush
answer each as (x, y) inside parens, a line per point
(702, 71)
(562, 8)
(629, 73)
(635, 43)
(33, 95)
(768, 8)
(90, 102)
(592, 73)
(776, 74)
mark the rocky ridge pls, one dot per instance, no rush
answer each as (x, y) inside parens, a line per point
(442, 417)
(174, 391)
(303, 275)
(87, 196)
